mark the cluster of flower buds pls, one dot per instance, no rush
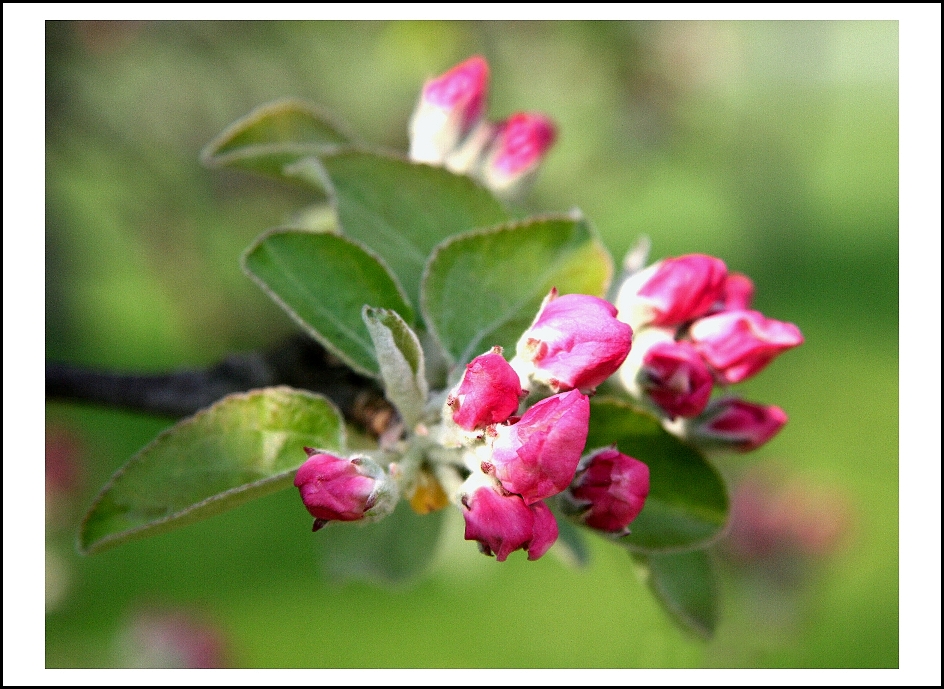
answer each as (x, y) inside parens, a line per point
(516, 463)
(695, 331)
(449, 128)
(501, 468)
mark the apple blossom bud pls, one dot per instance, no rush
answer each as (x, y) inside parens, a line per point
(673, 291)
(449, 108)
(608, 491)
(676, 378)
(519, 145)
(347, 490)
(537, 456)
(738, 344)
(734, 424)
(575, 342)
(502, 523)
(489, 392)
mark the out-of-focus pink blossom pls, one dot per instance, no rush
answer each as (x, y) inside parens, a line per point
(672, 291)
(489, 392)
(773, 516)
(575, 342)
(449, 108)
(170, 639)
(739, 344)
(537, 456)
(64, 470)
(502, 523)
(335, 488)
(609, 490)
(735, 424)
(676, 378)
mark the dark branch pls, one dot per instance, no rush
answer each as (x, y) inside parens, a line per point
(299, 363)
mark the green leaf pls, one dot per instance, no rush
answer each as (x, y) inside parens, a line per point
(323, 281)
(484, 288)
(275, 135)
(402, 366)
(399, 209)
(687, 587)
(687, 505)
(391, 551)
(241, 448)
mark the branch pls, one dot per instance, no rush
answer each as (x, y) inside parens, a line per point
(300, 363)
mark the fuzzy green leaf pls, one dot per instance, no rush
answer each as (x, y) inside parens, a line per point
(401, 210)
(484, 288)
(273, 136)
(243, 447)
(402, 365)
(687, 505)
(323, 281)
(687, 587)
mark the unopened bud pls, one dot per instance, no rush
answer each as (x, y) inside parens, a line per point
(734, 424)
(672, 291)
(738, 344)
(450, 106)
(519, 146)
(502, 523)
(537, 456)
(338, 489)
(575, 342)
(608, 491)
(489, 392)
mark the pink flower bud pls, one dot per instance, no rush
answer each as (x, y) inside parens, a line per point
(575, 342)
(537, 456)
(676, 378)
(734, 424)
(738, 344)
(450, 106)
(502, 523)
(519, 146)
(347, 490)
(609, 490)
(737, 294)
(488, 393)
(673, 291)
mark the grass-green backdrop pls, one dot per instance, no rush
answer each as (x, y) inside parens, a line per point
(773, 145)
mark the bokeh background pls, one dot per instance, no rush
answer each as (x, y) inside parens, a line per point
(773, 145)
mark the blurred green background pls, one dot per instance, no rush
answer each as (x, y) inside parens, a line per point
(773, 145)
